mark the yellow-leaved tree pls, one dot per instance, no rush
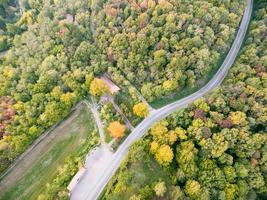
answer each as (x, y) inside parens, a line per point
(141, 110)
(116, 129)
(181, 133)
(154, 146)
(98, 87)
(160, 189)
(68, 98)
(164, 155)
(169, 85)
(238, 118)
(192, 189)
(160, 132)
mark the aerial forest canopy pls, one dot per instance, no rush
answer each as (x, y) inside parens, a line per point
(52, 53)
(214, 149)
(44, 73)
(160, 46)
(165, 46)
(8, 17)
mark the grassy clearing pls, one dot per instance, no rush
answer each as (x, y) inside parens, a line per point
(108, 138)
(158, 103)
(43, 170)
(137, 174)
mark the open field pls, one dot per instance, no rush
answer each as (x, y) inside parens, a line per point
(29, 178)
(135, 174)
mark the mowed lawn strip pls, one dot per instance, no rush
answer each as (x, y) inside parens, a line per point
(70, 139)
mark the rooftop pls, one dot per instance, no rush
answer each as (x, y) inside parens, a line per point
(112, 87)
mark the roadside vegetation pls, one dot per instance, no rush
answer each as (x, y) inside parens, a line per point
(165, 47)
(214, 149)
(57, 162)
(139, 170)
(109, 115)
(162, 48)
(44, 74)
(128, 96)
(54, 59)
(10, 25)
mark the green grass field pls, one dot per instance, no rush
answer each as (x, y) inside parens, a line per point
(137, 172)
(108, 138)
(45, 168)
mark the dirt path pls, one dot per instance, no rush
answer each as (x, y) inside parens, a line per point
(93, 108)
(142, 98)
(125, 119)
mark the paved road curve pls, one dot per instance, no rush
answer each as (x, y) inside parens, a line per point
(95, 190)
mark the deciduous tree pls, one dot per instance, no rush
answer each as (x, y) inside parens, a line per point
(98, 87)
(164, 155)
(116, 129)
(160, 189)
(141, 110)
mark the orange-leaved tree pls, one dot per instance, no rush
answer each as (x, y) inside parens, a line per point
(116, 129)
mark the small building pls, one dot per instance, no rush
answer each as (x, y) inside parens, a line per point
(75, 180)
(112, 87)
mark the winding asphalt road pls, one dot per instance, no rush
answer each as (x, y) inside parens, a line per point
(159, 114)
